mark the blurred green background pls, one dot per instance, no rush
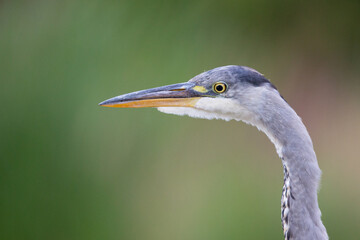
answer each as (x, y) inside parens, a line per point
(70, 169)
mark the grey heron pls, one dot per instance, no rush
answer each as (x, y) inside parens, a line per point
(243, 94)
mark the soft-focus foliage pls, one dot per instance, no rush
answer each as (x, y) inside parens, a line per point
(72, 170)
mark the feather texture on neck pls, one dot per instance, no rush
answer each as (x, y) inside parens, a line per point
(268, 111)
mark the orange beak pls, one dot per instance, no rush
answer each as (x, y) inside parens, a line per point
(176, 95)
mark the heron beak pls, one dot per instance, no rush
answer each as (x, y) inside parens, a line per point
(176, 95)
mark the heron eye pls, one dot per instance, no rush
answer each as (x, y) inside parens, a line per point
(220, 87)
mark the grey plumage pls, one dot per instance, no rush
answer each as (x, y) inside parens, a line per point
(278, 120)
(251, 98)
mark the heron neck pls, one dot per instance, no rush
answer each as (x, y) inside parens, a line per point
(301, 215)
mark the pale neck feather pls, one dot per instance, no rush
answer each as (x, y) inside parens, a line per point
(267, 110)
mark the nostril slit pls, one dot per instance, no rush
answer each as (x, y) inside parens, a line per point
(176, 90)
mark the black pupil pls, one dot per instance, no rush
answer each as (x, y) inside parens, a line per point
(219, 88)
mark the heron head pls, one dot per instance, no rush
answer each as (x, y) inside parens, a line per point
(229, 92)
